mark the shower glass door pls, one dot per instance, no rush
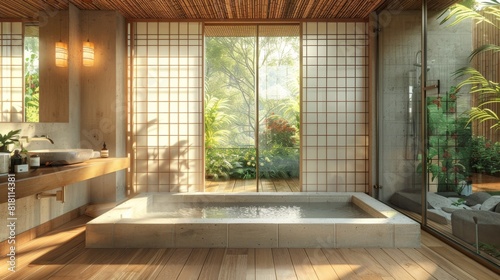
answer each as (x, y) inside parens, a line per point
(399, 151)
(461, 149)
(431, 150)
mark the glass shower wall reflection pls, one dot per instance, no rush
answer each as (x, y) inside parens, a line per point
(464, 151)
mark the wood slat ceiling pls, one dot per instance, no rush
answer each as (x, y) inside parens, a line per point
(217, 9)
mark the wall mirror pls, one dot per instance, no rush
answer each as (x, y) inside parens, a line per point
(33, 88)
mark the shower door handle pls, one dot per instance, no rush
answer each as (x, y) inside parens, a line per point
(438, 86)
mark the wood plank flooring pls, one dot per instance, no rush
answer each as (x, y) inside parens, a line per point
(61, 254)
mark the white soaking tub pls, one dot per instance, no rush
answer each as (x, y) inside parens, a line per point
(236, 220)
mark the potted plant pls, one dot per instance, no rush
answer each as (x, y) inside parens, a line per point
(6, 139)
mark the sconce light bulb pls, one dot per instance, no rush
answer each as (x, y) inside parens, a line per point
(61, 54)
(88, 53)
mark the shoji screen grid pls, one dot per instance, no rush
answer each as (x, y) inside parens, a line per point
(168, 106)
(11, 72)
(335, 107)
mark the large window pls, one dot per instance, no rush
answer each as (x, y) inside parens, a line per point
(252, 107)
(19, 47)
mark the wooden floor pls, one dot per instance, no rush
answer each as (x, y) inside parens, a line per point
(61, 254)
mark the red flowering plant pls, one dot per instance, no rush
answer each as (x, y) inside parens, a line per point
(278, 132)
(485, 156)
(279, 153)
(449, 142)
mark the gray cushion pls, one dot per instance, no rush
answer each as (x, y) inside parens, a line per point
(437, 201)
(477, 198)
(497, 208)
(490, 203)
(449, 209)
(452, 208)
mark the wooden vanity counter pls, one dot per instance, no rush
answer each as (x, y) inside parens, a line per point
(47, 178)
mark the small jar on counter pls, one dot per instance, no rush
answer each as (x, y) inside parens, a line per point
(34, 161)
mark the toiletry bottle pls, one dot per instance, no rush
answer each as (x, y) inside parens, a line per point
(16, 159)
(34, 161)
(104, 151)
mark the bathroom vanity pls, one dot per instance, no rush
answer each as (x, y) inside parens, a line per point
(48, 178)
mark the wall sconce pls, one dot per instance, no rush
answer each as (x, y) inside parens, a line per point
(61, 54)
(88, 53)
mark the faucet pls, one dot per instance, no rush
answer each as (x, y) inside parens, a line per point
(38, 138)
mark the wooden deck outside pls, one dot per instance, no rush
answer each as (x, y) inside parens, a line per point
(481, 182)
(265, 185)
(61, 254)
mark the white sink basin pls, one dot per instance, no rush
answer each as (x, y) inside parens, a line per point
(53, 157)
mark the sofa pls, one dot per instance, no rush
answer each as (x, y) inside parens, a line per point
(460, 211)
(464, 227)
(487, 216)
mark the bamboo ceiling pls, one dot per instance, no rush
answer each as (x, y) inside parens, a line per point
(218, 9)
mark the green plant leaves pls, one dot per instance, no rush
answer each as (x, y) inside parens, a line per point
(488, 91)
(10, 138)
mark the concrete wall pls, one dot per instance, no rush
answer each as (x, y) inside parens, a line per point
(103, 107)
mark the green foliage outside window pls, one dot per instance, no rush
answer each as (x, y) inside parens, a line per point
(485, 156)
(486, 12)
(31, 80)
(231, 122)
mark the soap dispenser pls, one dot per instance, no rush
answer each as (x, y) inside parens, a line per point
(16, 159)
(104, 151)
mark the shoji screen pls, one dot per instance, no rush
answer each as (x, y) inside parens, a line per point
(167, 103)
(11, 73)
(334, 107)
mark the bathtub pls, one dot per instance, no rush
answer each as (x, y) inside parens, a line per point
(131, 225)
